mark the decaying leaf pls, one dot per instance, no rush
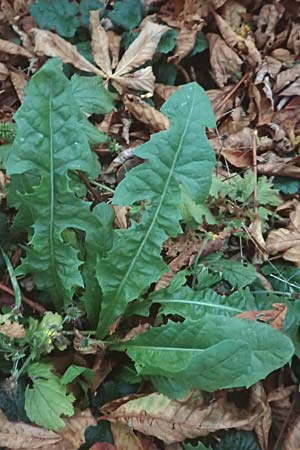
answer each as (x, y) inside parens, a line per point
(19, 82)
(173, 421)
(287, 240)
(224, 61)
(100, 43)
(124, 437)
(21, 436)
(14, 49)
(292, 440)
(275, 317)
(50, 44)
(146, 113)
(12, 329)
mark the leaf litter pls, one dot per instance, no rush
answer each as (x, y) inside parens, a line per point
(246, 57)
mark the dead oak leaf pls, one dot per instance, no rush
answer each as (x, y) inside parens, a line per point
(274, 316)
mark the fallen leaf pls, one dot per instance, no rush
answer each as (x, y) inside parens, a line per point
(103, 446)
(233, 12)
(142, 49)
(21, 436)
(19, 82)
(263, 424)
(124, 437)
(287, 240)
(121, 216)
(275, 317)
(238, 158)
(140, 80)
(185, 43)
(114, 43)
(224, 61)
(86, 345)
(100, 43)
(292, 440)
(268, 17)
(173, 421)
(290, 78)
(11, 329)
(14, 49)
(146, 113)
(165, 91)
(294, 39)
(4, 72)
(50, 44)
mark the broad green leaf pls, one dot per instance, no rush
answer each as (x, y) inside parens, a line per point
(91, 96)
(49, 144)
(126, 14)
(194, 304)
(235, 272)
(187, 161)
(287, 186)
(58, 15)
(241, 440)
(211, 353)
(47, 399)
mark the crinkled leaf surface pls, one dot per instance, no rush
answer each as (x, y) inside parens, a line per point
(58, 15)
(51, 144)
(235, 272)
(126, 14)
(178, 156)
(211, 353)
(47, 400)
(91, 96)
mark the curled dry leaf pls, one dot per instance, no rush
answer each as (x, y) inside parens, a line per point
(173, 421)
(124, 437)
(146, 113)
(185, 43)
(100, 43)
(263, 424)
(246, 47)
(21, 436)
(292, 440)
(287, 78)
(287, 240)
(12, 329)
(294, 39)
(224, 61)
(19, 82)
(141, 80)
(14, 49)
(285, 167)
(114, 43)
(266, 22)
(142, 49)
(50, 44)
(4, 72)
(85, 345)
(275, 317)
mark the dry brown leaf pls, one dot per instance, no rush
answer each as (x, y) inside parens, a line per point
(4, 72)
(238, 158)
(12, 329)
(255, 231)
(263, 424)
(224, 61)
(124, 437)
(142, 49)
(233, 12)
(102, 446)
(173, 421)
(165, 91)
(139, 329)
(245, 46)
(274, 316)
(287, 240)
(283, 55)
(292, 440)
(146, 113)
(141, 80)
(281, 401)
(294, 39)
(100, 43)
(21, 436)
(285, 167)
(185, 43)
(114, 43)
(285, 78)
(121, 216)
(18, 435)
(266, 22)
(50, 44)
(14, 49)
(85, 345)
(19, 82)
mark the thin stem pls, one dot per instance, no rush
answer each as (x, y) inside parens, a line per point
(30, 303)
(102, 186)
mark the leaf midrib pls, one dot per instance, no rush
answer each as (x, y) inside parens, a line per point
(159, 206)
(197, 303)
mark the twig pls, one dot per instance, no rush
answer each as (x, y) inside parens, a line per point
(89, 186)
(35, 306)
(233, 90)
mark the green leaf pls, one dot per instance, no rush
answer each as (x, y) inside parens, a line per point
(193, 214)
(51, 143)
(187, 161)
(199, 446)
(47, 400)
(200, 45)
(287, 186)
(211, 353)
(13, 279)
(126, 14)
(241, 440)
(74, 371)
(194, 304)
(167, 42)
(58, 15)
(235, 272)
(91, 96)
(85, 7)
